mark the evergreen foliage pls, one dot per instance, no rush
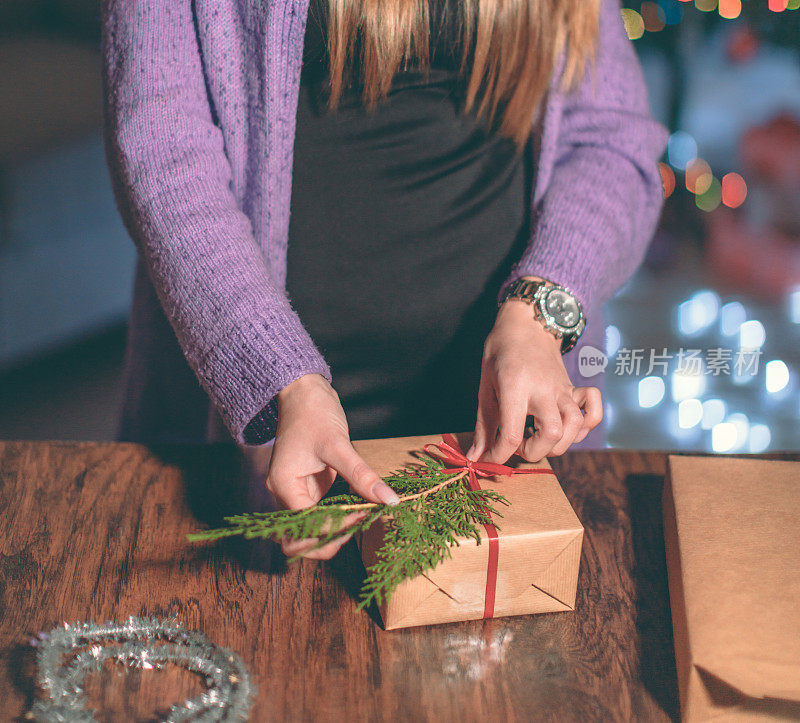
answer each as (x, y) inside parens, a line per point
(437, 510)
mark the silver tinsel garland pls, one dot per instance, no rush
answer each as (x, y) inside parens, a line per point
(144, 643)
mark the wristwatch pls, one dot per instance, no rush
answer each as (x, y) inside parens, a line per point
(554, 306)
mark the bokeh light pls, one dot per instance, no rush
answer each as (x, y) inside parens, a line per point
(706, 5)
(698, 312)
(651, 391)
(685, 385)
(667, 179)
(634, 24)
(711, 198)
(732, 315)
(734, 190)
(681, 150)
(778, 6)
(743, 44)
(730, 9)
(698, 176)
(690, 413)
(672, 10)
(794, 304)
(713, 413)
(776, 375)
(609, 414)
(741, 424)
(723, 437)
(752, 335)
(653, 16)
(613, 340)
(760, 438)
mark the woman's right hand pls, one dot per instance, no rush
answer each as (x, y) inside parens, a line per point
(312, 444)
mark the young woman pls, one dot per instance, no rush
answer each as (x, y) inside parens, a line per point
(340, 192)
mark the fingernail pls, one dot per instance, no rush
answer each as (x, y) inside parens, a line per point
(385, 493)
(470, 453)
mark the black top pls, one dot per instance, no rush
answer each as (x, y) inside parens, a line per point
(404, 223)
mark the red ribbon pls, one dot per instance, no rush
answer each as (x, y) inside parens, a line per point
(450, 451)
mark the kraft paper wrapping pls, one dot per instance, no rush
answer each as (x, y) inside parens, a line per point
(539, 547)
(732, 529)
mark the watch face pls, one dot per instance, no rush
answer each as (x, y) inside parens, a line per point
(563, 308)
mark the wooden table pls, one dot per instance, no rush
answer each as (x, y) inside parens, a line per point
(96, 531)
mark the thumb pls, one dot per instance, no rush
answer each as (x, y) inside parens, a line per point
(362, 478)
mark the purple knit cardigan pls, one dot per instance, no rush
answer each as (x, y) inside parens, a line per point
(200, 108)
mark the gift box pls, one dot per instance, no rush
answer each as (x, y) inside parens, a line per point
(527, 560)
(732, 531)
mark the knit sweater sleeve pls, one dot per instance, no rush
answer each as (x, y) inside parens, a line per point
(172, 181)
(592, 226)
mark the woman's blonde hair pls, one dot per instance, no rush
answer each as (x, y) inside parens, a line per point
(513, 44)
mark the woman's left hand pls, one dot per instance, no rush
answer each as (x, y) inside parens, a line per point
(523, 374)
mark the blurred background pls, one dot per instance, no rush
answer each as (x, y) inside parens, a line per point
(702, 345)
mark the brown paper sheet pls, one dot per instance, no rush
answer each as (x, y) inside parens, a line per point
(732, 528)
(539, 548)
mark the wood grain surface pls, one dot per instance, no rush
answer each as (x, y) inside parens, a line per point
(96, 531)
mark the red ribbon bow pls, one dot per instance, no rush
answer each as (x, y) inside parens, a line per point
(449, 451)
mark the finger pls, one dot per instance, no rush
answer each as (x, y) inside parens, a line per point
(512, 402)
(305, 548)
(293, 547)
(572, 423)
(486, 421)
(343, 457)
(590, 400)
(548, 425)
(326, 552)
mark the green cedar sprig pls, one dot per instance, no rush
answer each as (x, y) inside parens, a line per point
(420, 529)
(421, 533)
